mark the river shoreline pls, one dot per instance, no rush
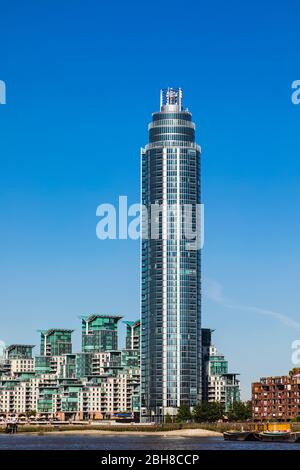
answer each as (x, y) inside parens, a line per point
(116, 442)
(95, 432)
(177, 432)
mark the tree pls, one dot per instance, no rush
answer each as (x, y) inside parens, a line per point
(168, 419)
(208, 411)
(30, 413)
(294, 371)
(183, 413)
(240, 411)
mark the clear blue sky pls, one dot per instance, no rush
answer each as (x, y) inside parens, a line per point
(82, 80)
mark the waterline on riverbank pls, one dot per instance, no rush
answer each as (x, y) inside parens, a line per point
(96, 432)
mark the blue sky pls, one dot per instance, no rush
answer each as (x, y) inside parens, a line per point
(82, 80)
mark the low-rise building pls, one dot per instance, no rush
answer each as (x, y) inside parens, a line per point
(276, 398)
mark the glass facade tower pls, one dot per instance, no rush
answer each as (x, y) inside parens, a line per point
(56, 342)
(99, 333)
(170, 269)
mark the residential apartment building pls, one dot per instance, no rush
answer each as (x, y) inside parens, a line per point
(219, 385)
(133, 334)
(99, 333)
(276, 398)
(170, 268)
(93, 384)
(55, 342)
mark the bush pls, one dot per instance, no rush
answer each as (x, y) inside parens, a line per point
(208, 411)
(240, 411)
(183, 413)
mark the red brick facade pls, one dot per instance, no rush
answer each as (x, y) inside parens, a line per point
(276, 398)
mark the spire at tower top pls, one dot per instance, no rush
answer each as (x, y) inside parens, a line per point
(171, 99)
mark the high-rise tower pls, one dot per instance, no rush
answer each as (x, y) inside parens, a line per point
(170, 268)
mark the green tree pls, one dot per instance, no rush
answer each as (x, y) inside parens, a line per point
(294, 371)
(240, 411)
(183, 413)
(168, 419)
(30, 413)
(208, 411)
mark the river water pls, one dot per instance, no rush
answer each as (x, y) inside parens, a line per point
(125, 442)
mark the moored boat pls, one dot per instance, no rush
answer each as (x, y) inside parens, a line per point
(240, 436)
(295, 437)
(269, 432)
(275, 436)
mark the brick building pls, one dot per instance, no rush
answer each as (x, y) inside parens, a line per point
(276, 398)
